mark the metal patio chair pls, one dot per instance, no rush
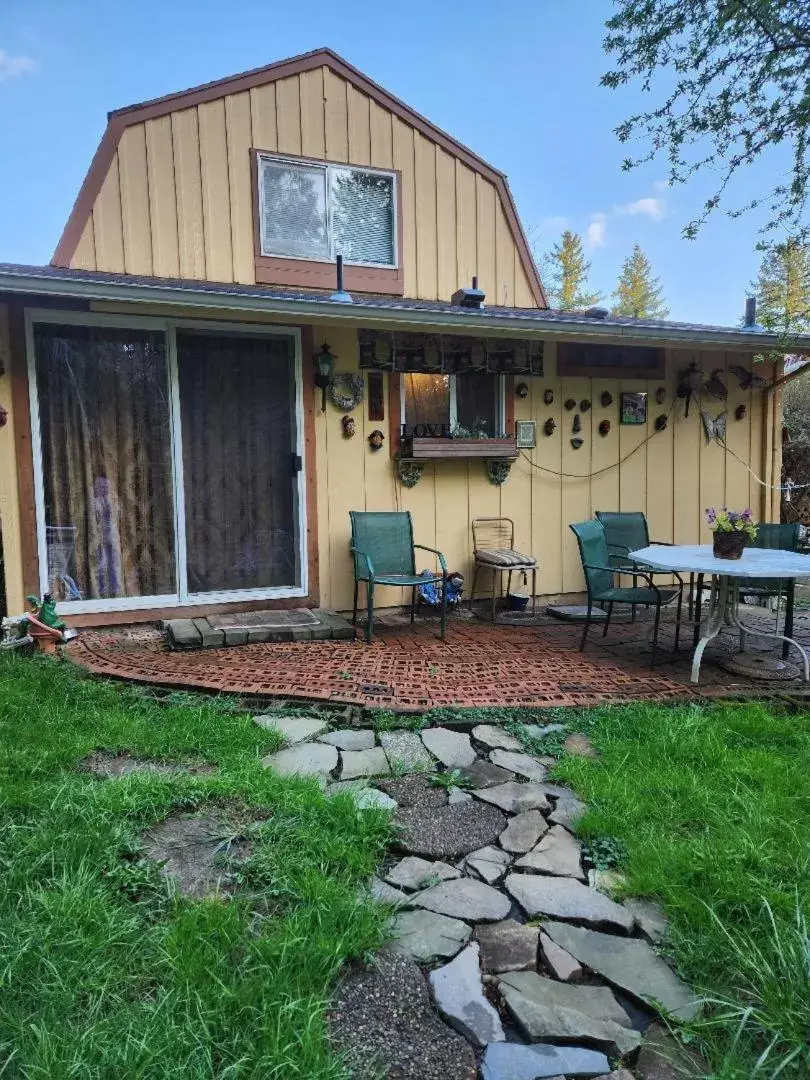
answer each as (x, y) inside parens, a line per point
(383, 553)
(600, 581)
(775, 538)
(494, 549)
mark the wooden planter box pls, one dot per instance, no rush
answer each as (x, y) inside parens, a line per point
(430, 449)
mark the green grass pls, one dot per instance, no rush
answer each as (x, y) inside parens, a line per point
(104, 971)
(713, 807)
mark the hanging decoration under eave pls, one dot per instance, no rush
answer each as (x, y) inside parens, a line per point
(449, 354)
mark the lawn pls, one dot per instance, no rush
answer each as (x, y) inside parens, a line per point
(104, 972)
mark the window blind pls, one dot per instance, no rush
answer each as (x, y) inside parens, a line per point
(294, 219)
(362, 216)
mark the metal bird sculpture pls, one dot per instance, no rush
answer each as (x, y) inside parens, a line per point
(715, 387)
(689, 384)
(747, 379)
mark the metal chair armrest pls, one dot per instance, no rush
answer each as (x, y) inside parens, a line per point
(434, 551)
(369, 564)
(635, 573)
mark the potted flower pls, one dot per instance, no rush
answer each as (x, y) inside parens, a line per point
(732, 530)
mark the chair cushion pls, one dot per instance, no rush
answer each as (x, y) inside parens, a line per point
(507, 557)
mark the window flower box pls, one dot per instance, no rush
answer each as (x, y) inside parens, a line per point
(443, 449)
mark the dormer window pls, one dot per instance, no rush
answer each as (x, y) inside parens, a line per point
(315, 211)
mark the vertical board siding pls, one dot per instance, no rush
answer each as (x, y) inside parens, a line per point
(10, 519)
(178, 199)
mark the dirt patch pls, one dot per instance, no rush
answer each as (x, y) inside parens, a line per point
(414, 790)
(199, 853)
(108, 766)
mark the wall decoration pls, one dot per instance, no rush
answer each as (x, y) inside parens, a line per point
(661, 422)
(376, 396)
(410, 472)
(385, 350)
(3, 416)
(498, 471)
(661, 395)
(548, 397)
(348, 425)
(689, 383)
(522, 390)
(714, 427)
(715, 387)
(526, 434)
(633, 407)
(376, 439)
(584, 405)
(747, 379)
(606, 399)
(576, 443)
(570, 404)
(740, 412)
(576, 427)
(604, 427)
(346, 390)
(549, 426)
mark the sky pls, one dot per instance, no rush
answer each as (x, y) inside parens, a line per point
(516, 82)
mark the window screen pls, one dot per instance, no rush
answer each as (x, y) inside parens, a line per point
(294, 220)
(362, 212)
(477, 404)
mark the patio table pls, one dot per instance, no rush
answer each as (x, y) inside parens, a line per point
(755, 563)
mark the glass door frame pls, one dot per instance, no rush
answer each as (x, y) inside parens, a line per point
(169, 327)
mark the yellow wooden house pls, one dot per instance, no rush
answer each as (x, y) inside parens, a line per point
(164, 449)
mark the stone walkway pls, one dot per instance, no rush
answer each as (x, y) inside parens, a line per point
(509, 960)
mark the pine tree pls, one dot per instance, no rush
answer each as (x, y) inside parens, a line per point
(567, 274)
(639, 294)
(783, 288)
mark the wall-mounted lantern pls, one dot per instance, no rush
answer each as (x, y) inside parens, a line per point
(324, 366)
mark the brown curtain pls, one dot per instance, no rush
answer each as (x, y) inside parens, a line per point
(237, 408)
(106, 455)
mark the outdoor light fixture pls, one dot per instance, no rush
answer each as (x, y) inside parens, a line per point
(324, 366)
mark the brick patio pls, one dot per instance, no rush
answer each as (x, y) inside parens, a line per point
(533, 664)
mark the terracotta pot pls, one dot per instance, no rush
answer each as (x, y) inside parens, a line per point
(729, 545)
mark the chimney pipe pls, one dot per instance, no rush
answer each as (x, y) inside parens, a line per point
(475, 281)
(751, 311)
(341, 296)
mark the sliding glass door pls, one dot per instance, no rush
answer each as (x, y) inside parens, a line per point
(167, 461)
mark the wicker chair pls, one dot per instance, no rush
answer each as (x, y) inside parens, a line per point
(494, 549)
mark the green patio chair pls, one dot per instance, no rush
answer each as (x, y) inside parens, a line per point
(600, 582)
(384, 554)
(776, 538)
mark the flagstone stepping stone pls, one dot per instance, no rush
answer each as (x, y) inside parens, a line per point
(663, 1057)
(523, 831)
(540, 1061)
(459, 996)
(537, 731)
(619, 1074)
(356, 763)
(507, 946)
(489, 863)
(650, 917)
(522, 764)
(564, 898)
(447, 832)
(366, 797)
(196, 853)
(558, 791)
(628, 963)
(295, 729)
(606, 881)
(405, 750)
(425, 936)
(483, 774)
(561, 964)
(466, 899)
(580, 746)
(349, 739)
(452, 748)
(305, 759)
(495, 738)
(411, 873)
(414, 790)
(382, 1020)
(547, 1009)
(558, 853)
(568, 813)
(514, 797)
(456, 796)
(385, 893)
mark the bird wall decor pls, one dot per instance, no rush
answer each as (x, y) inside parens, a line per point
(715, 387)
(747, 379)
(714, 426)
(689, 383)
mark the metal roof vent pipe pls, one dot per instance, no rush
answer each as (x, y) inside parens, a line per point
(750, 320)
(472, 299)
(341, 296)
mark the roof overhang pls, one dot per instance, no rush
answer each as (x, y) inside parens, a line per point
(50, 282)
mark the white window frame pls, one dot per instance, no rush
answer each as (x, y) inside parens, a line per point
(182, 597)
(328, 167)
(500, 401)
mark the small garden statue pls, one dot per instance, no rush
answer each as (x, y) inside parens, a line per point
(45, 611)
